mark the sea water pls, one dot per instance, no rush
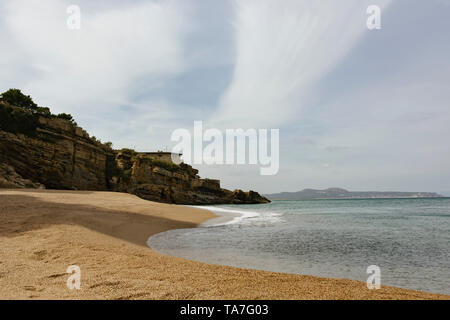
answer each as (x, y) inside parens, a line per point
(408, 239)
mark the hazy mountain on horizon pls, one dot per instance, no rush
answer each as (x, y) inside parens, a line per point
(339, 193)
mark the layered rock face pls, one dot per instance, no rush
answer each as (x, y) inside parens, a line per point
(9, 178)
(60, 155)
(166, 182)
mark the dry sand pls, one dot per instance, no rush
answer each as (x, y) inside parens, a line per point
(105, 234)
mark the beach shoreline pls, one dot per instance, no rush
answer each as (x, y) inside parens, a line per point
(221, 217)
(105, 234)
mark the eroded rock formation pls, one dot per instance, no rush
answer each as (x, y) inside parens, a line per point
(56, 154)
(163, 181)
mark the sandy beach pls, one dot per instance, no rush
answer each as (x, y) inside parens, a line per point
(43, 232)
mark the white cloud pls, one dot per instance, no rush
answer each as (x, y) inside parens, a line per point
(283, 48)
(73, 70)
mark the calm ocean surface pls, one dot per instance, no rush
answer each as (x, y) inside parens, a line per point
(409, 239)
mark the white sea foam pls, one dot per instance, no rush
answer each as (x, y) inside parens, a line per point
(232, 216)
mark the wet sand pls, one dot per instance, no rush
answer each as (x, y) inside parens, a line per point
(43, 232)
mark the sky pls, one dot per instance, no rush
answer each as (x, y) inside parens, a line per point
(356, 108)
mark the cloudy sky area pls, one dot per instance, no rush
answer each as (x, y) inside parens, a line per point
(359, 109)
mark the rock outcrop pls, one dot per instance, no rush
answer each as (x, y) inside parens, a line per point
(56, 154)
(10, 179)
(164, 181)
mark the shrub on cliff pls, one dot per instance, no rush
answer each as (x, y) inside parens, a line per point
(17, 120)
(44, 111)
(165, 164)
(128, 152)
(68, 117)
(15, 97)
(19, 114)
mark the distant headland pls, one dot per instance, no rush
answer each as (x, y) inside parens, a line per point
(339, 193)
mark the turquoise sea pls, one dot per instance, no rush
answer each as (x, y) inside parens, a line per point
(408, 239)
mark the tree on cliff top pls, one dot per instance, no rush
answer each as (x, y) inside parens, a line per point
(68, 117)
(15, 97)
(19, 114)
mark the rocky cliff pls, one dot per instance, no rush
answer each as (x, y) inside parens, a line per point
(56, 154)
(164, 181)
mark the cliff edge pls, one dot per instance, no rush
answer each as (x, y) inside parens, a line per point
(40, 150)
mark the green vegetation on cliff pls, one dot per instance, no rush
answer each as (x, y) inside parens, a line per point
(67, 117)
(17, 120)
(19, 113)
(16, 98)
(128, 152)
(164, 164)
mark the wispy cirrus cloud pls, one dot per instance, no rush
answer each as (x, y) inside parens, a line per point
(92, 70)
(282, 49)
